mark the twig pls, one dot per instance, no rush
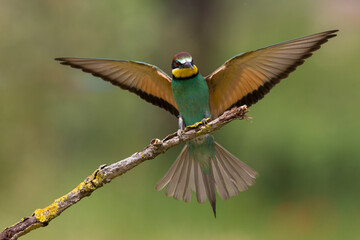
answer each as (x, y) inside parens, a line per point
(104, 174)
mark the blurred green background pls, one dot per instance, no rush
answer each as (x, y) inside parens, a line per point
(58, 124)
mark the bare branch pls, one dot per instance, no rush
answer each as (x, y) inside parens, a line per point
(104, 174)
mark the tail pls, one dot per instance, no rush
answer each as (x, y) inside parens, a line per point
(227, 174)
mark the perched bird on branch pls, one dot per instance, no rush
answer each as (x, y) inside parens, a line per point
(203, 165)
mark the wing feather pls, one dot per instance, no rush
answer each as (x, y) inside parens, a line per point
(247, 77)
(145, 80)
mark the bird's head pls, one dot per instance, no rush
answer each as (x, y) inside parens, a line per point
(183, 66)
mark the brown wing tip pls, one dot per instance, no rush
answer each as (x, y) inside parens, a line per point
(63, 61)
(255, 96)
(332, 31)
(329, 34)
(74, 62)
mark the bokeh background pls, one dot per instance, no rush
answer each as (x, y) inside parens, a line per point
(58, 124)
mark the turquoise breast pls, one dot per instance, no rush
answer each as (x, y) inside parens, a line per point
(192, 98)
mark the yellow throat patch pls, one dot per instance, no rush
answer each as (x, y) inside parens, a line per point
(184, 72)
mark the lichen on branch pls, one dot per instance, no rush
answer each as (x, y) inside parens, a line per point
(104, 174)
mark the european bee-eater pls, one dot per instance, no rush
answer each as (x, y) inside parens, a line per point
(203, 165)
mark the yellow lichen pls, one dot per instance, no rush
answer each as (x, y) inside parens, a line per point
(92, 182)
(203, 129)
(48, 213)
(206, 128)
(195, 125)
(32, 227)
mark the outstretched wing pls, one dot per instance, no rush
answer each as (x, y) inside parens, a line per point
(145, 80)
(246, 78)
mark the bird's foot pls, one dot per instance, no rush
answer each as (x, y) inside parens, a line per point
(205, 121)
(202, 122)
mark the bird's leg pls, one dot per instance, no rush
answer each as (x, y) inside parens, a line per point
(181, 126)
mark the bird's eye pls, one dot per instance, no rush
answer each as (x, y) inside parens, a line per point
(176, 64)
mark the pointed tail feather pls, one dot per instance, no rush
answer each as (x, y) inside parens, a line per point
(228, 175)
(209, 183)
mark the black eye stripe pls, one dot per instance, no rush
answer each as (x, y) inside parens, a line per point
(176, 64)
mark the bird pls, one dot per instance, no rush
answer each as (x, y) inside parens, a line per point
(203, 165)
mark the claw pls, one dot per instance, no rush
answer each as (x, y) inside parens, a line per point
(205, 121)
